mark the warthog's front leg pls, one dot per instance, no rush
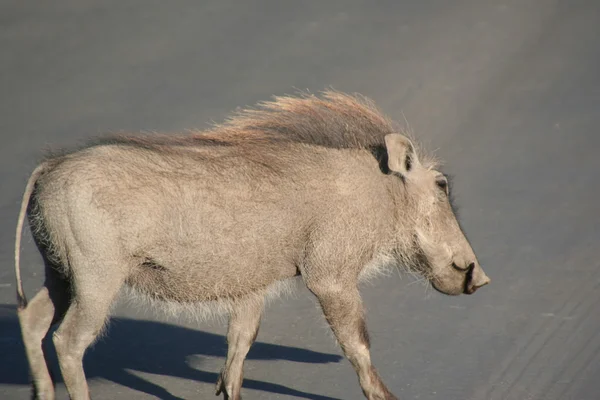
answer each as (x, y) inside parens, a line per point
(343, 310)
(243, 328)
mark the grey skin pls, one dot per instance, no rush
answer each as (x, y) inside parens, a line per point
(321, 187)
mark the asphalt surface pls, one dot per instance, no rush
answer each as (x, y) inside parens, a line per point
(507, 91)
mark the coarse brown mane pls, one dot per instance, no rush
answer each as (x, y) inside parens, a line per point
(334, 120)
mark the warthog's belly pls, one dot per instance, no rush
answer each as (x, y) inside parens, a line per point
(204, 283)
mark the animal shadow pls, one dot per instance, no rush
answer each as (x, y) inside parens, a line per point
(152, 347)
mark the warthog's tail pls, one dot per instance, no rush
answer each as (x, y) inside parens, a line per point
(21, 299)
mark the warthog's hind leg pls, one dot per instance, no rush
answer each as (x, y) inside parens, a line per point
(344, 312)
(95, 289)
(45, 309)
(243, 328)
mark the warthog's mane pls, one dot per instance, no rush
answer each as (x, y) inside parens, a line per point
(333, 120)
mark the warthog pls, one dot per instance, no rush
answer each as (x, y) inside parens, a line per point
(323, 187)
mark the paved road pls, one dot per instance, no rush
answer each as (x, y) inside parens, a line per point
(508, 91)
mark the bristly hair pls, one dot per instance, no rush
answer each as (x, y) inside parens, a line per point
(334, 119)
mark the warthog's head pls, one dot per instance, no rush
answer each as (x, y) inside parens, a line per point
(437, 246)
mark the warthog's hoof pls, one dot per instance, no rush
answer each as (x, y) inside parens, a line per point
(220, 386)
(221, 389)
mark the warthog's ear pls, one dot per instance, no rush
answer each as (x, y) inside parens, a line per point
(400, 153)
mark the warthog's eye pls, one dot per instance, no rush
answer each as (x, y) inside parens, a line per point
(442, 183)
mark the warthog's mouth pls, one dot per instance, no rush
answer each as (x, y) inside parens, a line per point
(451, 292)
(465, 288)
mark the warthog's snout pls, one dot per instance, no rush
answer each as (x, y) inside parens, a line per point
(476, 278)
